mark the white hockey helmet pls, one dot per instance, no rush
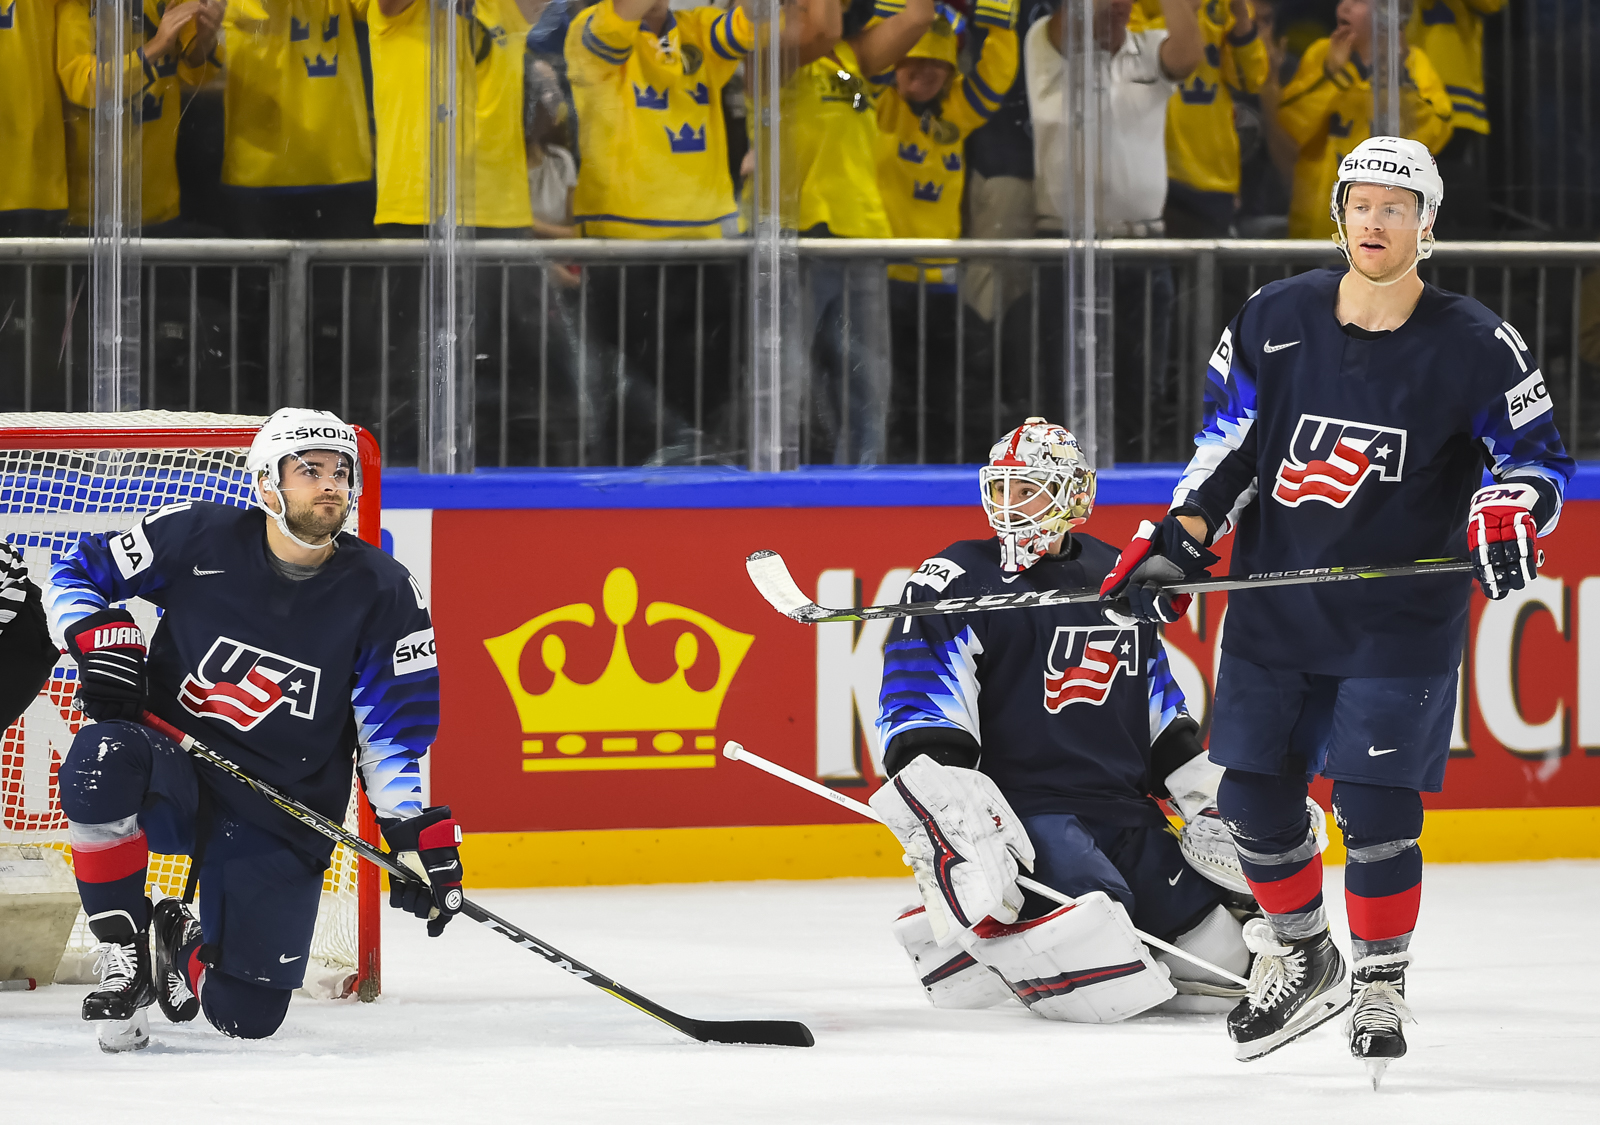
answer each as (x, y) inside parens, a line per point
(1043, 454)
(1390, 162)
(291, 431)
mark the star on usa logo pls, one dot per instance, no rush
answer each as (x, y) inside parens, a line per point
(242, 684)
(1084, 662)
(1330, 458)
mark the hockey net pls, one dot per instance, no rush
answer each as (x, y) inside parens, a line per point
(66, 475)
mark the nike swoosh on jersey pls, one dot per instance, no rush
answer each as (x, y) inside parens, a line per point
(1374, 752)
(1269, 347)
(1013, 578)
(202, 573)
(285, 960)
(1173, 882)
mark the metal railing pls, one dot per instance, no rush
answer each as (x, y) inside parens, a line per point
(593, 352)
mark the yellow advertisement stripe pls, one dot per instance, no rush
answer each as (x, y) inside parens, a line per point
(570, 765)
(830, 851)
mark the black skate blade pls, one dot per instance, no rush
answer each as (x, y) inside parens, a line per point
(1375, 1069)
(1247, 1052)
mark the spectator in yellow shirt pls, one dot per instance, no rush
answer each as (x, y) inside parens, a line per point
(1450, 33)
(297, 150)
(1202, 141)
(1327, 109)
(924, 119)
(33, 158)
(178, 40)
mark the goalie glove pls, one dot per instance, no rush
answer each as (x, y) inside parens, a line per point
(110, 651)
(1208, 846)
(428, 844)
(962, 841)
(1500, 535)
(14, 583)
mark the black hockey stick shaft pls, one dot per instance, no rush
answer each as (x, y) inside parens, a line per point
(771, 577)
(770, 1033)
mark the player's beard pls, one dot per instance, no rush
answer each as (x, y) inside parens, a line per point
(311, 522)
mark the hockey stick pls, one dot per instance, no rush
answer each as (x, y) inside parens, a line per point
(771, 576)
(739, 754)
(768, 1033)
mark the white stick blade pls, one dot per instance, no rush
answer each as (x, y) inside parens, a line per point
(771, 577)
(732, 750)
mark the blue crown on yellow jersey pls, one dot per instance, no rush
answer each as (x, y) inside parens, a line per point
(912, 153)
(321, 68)
(330, 30)
(927, 192)
(298, 32)
(701, 94)
(687, 139)
(1197, 92)
(952, 162)
(8, 18)
(648, 98)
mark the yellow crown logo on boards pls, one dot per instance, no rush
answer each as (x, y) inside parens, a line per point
(646, 721)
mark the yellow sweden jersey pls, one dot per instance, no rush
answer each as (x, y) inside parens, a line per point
(295, 106)
(400, 100)
(33, 171)
(828, 109)
(1328, 117)
(650, 122)
(1450, 32)
(1202, 142)
(154, 84)
(920, 171)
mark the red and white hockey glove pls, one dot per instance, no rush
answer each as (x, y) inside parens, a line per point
(1500, 538)
(1157, 556)
(109, 648)
(962, 840)
(430, 845)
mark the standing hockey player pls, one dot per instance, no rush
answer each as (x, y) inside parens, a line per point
(294, 650)
(1349, 418)
(1038, 738)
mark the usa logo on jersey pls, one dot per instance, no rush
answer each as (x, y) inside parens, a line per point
(1084, 662)
(1330, 458)
(242, 684)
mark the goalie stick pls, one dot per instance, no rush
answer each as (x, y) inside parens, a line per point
(767, 1033)
(771, 576)
(738, 753)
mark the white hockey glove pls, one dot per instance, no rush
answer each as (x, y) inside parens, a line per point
(962, 840)
(1208, 846)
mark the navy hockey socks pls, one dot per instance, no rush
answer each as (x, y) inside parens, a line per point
(103, 781)
(1277, 849)
(1383, 867)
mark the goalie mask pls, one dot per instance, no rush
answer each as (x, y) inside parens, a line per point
(287, 434)
(1036, 487)
(1391, 162)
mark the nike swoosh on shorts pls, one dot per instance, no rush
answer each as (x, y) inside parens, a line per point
(1374, 752)
(285, 960)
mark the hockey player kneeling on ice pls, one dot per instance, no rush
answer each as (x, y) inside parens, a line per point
(1036, 740)
(294, 650)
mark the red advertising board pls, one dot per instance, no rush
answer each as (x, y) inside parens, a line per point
(592, 676)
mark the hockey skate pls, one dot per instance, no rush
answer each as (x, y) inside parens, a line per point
(172, 928)
(1378, 1008)
(125, 991)
(1294, 987)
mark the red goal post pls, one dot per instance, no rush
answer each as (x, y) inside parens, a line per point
(63, 475)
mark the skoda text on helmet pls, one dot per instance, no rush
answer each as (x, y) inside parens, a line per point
(289, 433)
(1394, 162)
(1047, 456)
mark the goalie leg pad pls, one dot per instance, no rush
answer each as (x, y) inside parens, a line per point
(1079, 964)
(950, 977)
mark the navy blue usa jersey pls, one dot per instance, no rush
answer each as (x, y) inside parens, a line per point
(1336, 448)
(288, 679)
(1063, 706)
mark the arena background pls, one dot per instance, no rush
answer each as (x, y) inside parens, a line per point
(593, 757)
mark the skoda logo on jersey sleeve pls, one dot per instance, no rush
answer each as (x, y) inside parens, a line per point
(1084, 662)
(242, 684)
(1330, 458)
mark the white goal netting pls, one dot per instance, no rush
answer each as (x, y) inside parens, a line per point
(49, 496)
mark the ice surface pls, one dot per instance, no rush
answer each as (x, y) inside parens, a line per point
(474, 1029)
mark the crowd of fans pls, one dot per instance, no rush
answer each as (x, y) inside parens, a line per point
(627, 119)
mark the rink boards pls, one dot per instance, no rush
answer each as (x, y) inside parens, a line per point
(599, 642)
